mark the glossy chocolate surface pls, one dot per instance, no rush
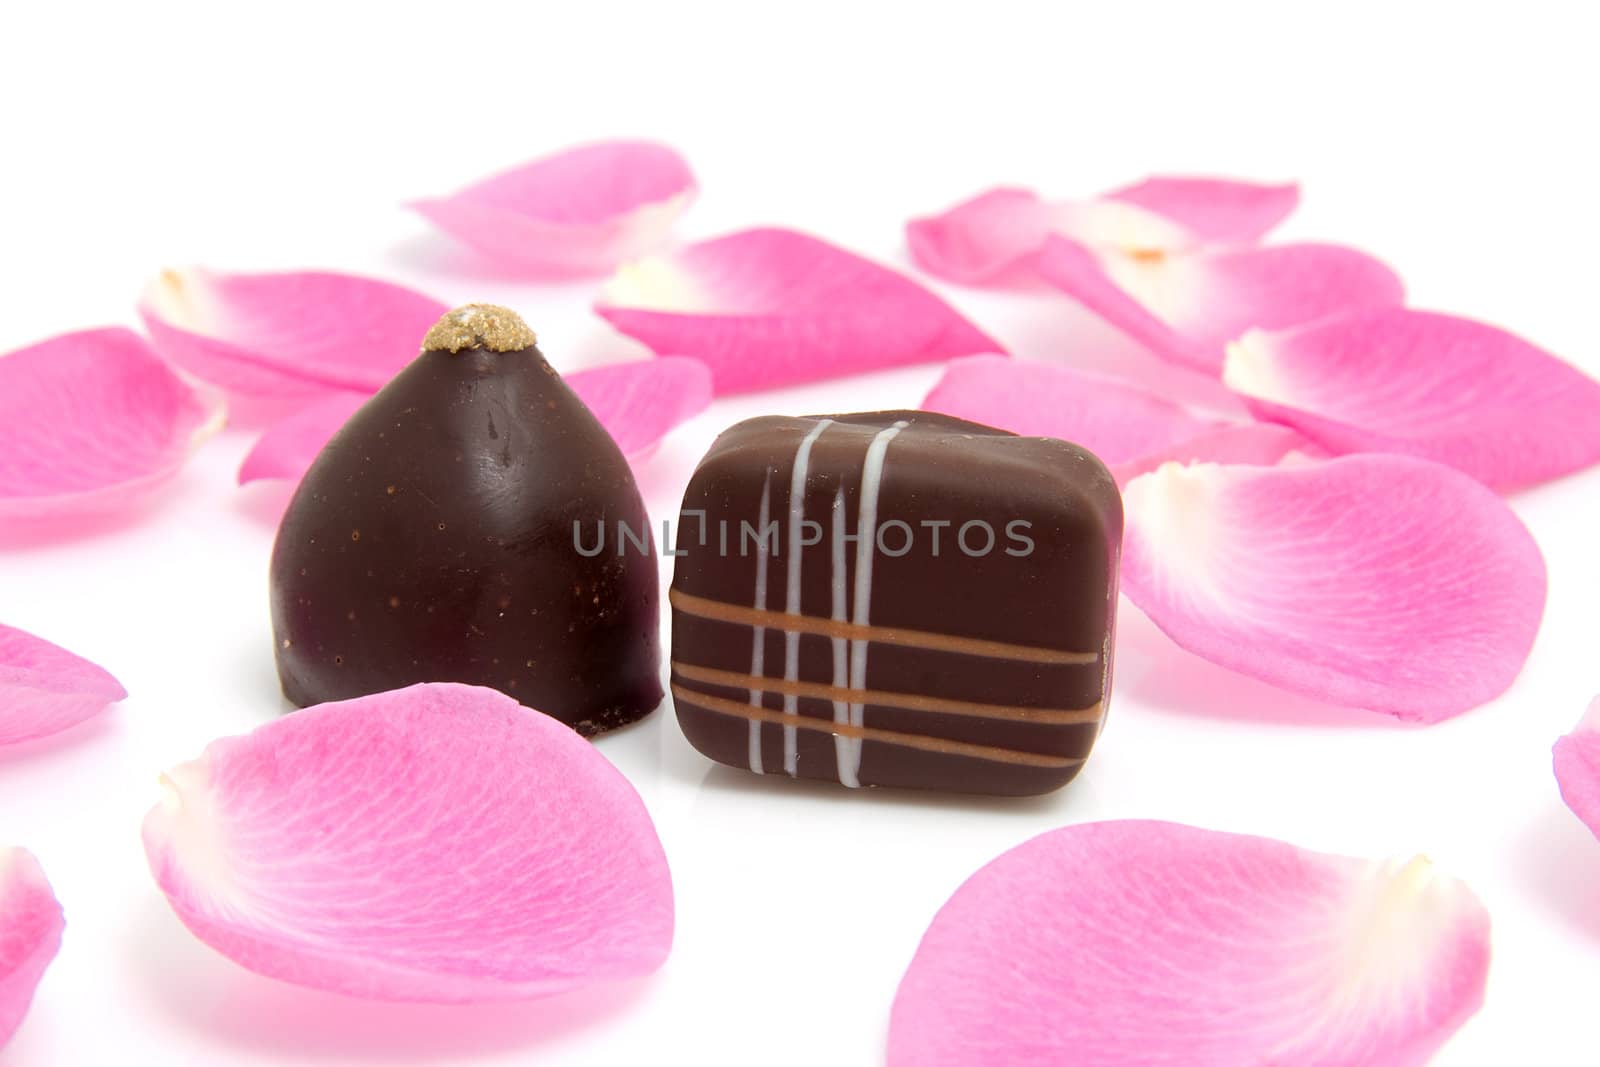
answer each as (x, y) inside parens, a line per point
(433, 540)
(969, 649)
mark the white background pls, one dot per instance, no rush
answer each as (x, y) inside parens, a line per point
(1455, 143)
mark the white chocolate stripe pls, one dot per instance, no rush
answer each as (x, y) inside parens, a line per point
(758, 639)
(843, 752)
(794, 551)
(867, 538)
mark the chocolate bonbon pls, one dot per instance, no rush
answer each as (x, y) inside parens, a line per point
(896, 598)
(435, 540)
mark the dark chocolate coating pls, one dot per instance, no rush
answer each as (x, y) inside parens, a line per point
(986, 671)
(432, 540)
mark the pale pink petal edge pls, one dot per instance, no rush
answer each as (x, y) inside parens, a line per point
(1577, 767)
(45, 689)
(31, 925)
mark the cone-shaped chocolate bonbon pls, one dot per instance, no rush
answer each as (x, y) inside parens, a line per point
(448, 533)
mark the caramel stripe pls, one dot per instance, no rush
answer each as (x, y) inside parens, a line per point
(717, 611)
(885, 699)
(866, 733)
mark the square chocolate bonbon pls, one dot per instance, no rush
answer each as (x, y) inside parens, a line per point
(896, 598)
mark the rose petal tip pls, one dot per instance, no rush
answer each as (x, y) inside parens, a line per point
(1577, 767)
(581, 211)
(45, 689)
(1420, 383)
(30, 934)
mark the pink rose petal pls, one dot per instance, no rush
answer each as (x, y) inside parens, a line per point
(45, 689)
(1116, 422)
(1126, 944)
(438, 843)
(1380, 582)
(91, 424)
(1577, 760)
(30, 934)
(1259, 444)
(1436, 386)
(1186, 307)
(638, 402)
(773, 307)
(1214, 210)
(289, 445)
(980, 239)
(274, 342)
(1079, 272)
(1131, 430)
(581, 211)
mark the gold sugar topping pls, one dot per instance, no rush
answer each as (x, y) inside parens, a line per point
(479, 326)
